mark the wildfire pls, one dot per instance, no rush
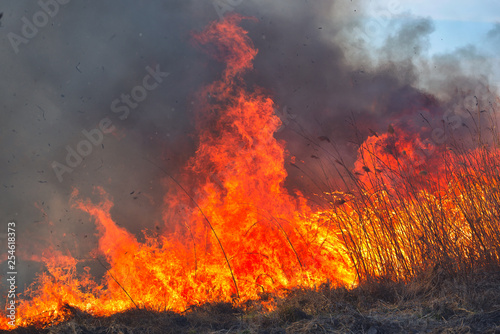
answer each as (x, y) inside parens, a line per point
(419, 206)
(234, 233)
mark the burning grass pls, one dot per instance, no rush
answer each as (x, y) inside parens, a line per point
(242, 254)
(407, 217)
(432, 303)
(426, 263)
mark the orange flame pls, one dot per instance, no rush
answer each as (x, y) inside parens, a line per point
(390, 158)
(237, 232)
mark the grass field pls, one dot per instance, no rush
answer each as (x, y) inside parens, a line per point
(432, 303)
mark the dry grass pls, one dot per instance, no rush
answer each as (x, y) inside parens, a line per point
(425, 243)
(432, 303)
(410, 207)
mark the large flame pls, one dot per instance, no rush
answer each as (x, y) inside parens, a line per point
(234, 232)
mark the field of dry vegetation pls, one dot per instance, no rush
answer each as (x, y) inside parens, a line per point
(424, 240)
(433, 303)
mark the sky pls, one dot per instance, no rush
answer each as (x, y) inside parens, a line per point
(464, 10)
(457, 24)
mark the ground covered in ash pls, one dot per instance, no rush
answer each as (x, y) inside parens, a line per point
(434, 303)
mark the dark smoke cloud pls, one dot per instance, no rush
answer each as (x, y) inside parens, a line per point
(315, 59)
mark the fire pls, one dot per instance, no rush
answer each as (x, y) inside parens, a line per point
(391, 158)
(419, 206)
(234, 234)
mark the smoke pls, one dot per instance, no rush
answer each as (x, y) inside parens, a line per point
(495, 32)
(321, 61)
